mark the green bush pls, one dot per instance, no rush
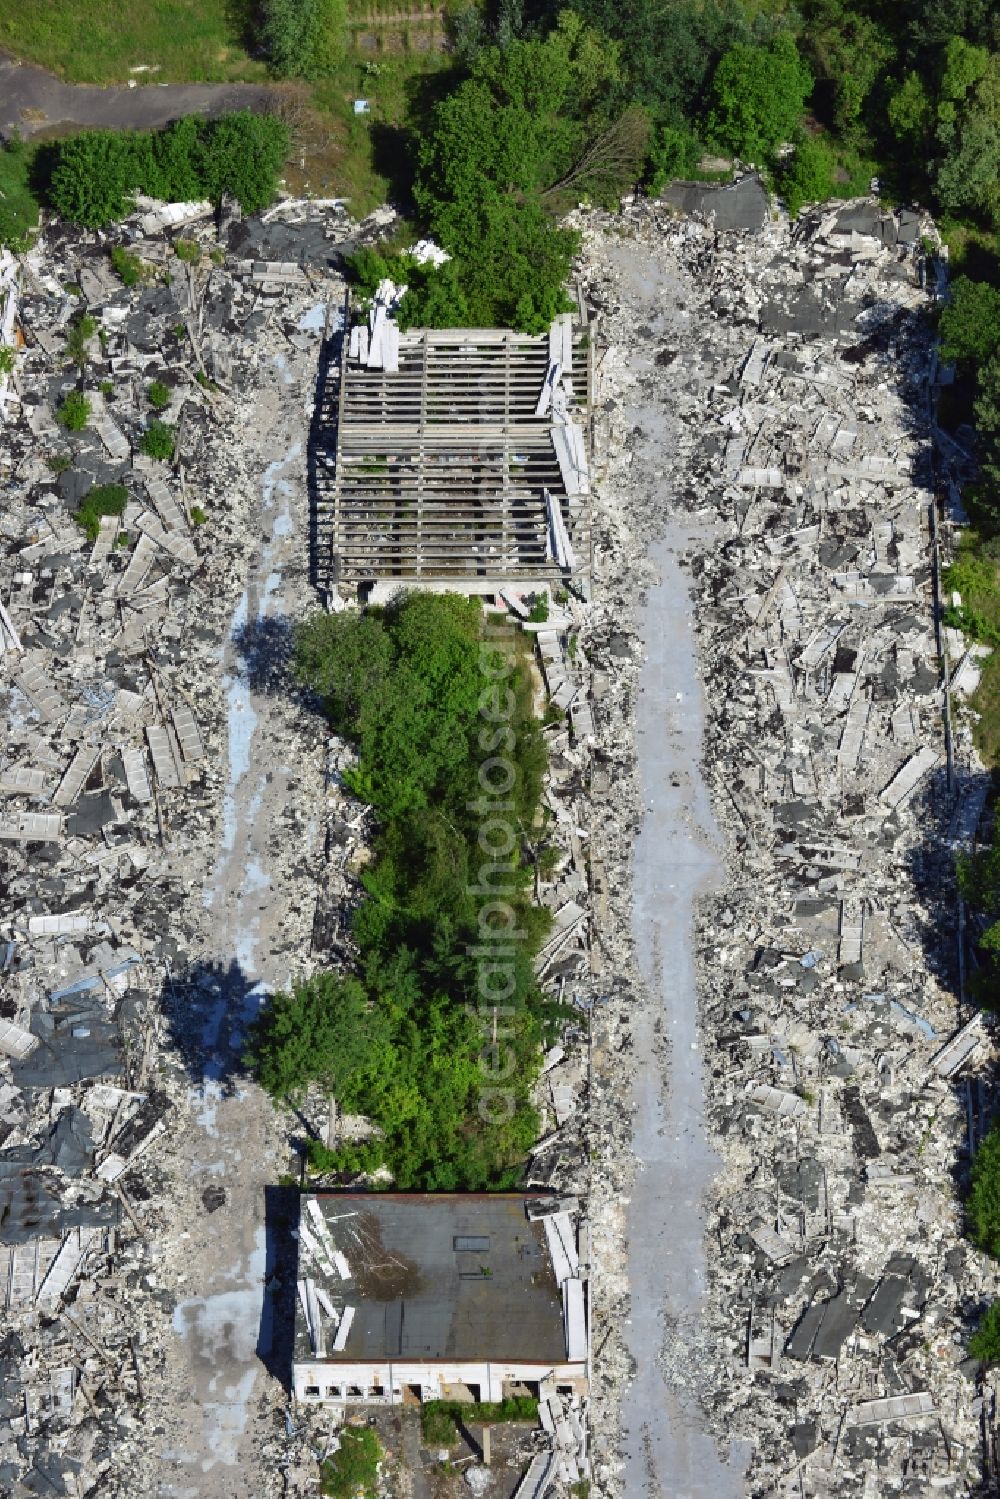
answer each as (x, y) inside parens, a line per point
(353, 1469)
(74, 413)
(96, 175)
(18, 204)
(159, 395)
(127, 265)
(198, 516)
(187, 249)
(8, 359)
(103, 499)
(674, 153)
(807, 176)
(985, 1341)
(158, 441)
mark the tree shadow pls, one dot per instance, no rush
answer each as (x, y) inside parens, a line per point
(266, 649)
(209, 1008)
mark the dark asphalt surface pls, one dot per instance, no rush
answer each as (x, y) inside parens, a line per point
(33, 101)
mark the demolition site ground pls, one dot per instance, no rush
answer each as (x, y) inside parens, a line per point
(775, 1082)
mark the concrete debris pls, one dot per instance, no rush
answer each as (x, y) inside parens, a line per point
(127, 665)
(761, 399)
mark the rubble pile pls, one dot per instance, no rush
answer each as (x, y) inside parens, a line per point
(841, 1068)
(113, 790)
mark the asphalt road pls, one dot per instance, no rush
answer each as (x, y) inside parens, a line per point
(32, 101)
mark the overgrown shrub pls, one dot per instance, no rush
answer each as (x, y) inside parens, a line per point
(159, 395)
(74, 413)
(80, 334)
(158, 441)
(8, 359)
(807, 175)
(103, 499)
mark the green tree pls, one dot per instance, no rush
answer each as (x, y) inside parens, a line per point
(96, 175)
(324, 1031)
(406, 685)
(757, 98)
(243, 154)
(848, 51)
(158, 441)
(74, 412)
(95, 178)
(910, 112)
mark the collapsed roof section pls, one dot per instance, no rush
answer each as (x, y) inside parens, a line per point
(461, 457)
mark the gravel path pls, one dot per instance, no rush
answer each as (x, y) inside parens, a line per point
(32, 101)
(669, 1451)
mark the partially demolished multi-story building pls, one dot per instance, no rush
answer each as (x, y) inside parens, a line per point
(405, 1297)
(459, 460)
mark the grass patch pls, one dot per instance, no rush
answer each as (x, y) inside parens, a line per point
(985, 701)
(975, 574)
(18, 204)
(182, 40)
(353, 1469)
(103, 499)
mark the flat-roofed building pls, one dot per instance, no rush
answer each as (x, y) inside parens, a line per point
(405, 1297)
